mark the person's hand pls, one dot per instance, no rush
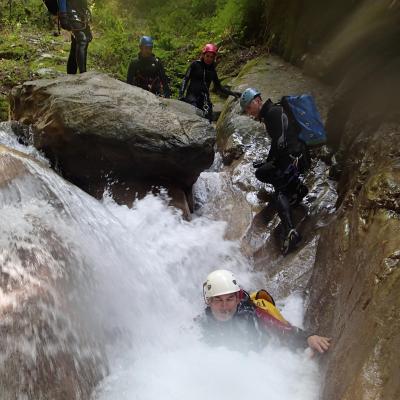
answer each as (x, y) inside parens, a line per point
(258, 163)
(319, 343)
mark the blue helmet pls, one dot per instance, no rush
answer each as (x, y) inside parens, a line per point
(247, 97)
(146, 41)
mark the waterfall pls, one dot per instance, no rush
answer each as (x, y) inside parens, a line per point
(126, 285)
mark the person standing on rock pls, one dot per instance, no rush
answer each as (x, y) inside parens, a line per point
(287, 159)
(235, 318)
(74, 16)
(197, 81)
(147, 71)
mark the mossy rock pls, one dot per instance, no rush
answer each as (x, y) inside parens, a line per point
(4, 108)
(17, 53)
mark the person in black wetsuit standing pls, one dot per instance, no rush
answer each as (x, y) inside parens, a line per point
(197, 81)
(287, 159)
(147, 71)
(74, 16)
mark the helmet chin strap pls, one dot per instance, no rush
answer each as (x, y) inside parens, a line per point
(206, 300)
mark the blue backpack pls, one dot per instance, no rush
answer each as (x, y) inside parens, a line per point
(303, 111)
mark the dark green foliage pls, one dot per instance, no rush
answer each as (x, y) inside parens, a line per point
(31, 12)
(180, 29)
(4, 108)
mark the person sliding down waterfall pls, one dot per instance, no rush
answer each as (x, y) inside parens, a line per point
(147, 71)
(235, 319)
(198, 79)
(287, 159)
(74, 16)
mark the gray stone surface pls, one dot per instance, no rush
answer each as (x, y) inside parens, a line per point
(92, 126)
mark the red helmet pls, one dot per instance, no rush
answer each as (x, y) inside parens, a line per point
(210, 48)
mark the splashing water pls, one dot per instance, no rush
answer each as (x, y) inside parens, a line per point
(165, 357)
(135, 277)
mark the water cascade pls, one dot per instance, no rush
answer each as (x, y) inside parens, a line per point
(118, 290)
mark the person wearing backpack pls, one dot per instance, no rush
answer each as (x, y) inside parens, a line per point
(195, 88)
(235, 319)
(147, 70)
(74, 16)
(287, 159)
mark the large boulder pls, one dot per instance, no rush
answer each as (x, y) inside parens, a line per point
(48, 349)
(95, 128)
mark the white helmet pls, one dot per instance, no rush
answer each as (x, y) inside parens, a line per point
(219, 282)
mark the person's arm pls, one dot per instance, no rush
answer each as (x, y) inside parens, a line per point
(131, 73)
(299, 338)
(164, 80)
(294, 337)
(221, 89)
(276, 122)
(185, 82)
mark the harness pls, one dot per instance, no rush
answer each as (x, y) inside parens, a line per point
(206, 95)
(153, 85)
(150, 83)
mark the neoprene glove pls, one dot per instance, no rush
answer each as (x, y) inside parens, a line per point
(258, 163)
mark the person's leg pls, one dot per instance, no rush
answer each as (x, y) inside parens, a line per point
(83, 38)
(191, 99)
(72, 66)
(284, 212)
(208, 112)
(290, 235)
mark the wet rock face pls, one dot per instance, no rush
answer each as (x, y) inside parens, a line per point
(92, 126)
(242, 140)
(355, 284)
(47, 350)
(218, 198)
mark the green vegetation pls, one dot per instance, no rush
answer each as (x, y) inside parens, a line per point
(180, 29)
(30, 46)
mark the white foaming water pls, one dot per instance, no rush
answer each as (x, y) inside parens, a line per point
(138, 278)
(165, 357)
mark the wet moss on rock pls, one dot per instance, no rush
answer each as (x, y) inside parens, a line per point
(4, 108)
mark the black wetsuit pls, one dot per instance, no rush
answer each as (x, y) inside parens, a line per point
(81, 36)
(287, 159)
(197, 81)
(245, 332)
(148, 73)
